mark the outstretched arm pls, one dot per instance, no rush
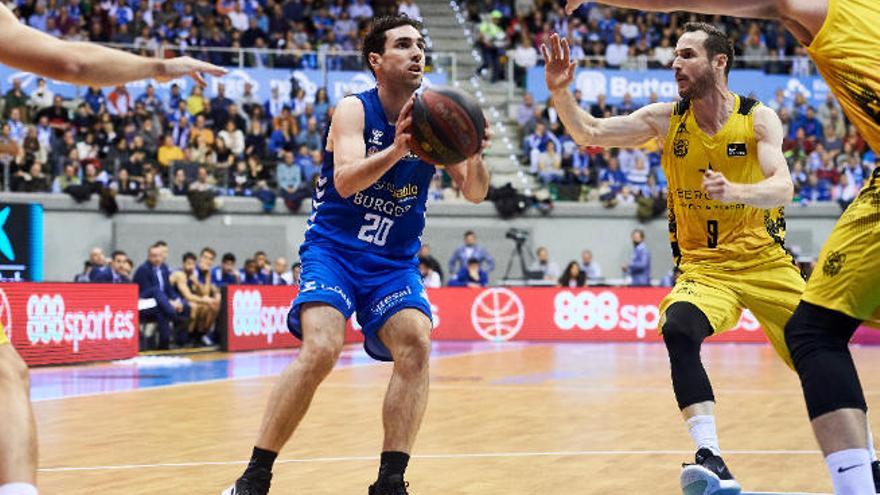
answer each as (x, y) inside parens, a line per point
(762, 9)
(777, 188)
(625, 131)
(86, 64)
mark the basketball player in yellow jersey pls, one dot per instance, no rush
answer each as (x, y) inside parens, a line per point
(843, 39)
(84, 64)
(728, 181)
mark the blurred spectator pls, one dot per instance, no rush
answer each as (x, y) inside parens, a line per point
(69, 178)
(492, 40)
(639, 267)
(573, 276)
(525, 56)
(250, 274)
(280, 275)
(201, 305)
(34, 180)
(15, 98)
(119, 102)
(430, 278)
(590, 267)
(425, 254)
(410, 9)
(158, 301)
(536, 143)
(42, 97)
(120, 266)
(550, 164)
(468, 251)
(544, 265)
(100, 271)
(296, 273)
(470, 275)
(226, 273)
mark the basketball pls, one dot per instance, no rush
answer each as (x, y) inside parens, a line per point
(448, 126)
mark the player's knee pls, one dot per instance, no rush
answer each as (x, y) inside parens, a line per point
(319, 354)
(412, 351)
(684, 329)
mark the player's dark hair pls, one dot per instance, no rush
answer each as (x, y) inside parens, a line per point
(209, 250)
(118, 253)
(716, 42)
(374, 41)
(228, 257)
(189, 255)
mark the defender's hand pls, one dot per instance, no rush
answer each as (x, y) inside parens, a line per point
(187, 66)
(558, 67)
(716, 185)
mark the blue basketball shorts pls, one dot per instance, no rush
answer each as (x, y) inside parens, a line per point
(370, 286)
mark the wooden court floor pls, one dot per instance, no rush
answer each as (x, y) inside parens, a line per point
(502, 419)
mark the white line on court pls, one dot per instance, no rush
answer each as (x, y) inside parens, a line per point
(476, 455)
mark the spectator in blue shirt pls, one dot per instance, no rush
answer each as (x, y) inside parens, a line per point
(639, 267)
(470, 275)
(251, 274)
(226, 273)
(96, 99)
(468, 251)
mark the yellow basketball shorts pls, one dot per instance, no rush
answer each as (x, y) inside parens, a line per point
(847, 274)
(3, 338)
(771, 291)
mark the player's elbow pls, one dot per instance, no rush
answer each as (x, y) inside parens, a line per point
(342, 185)
(70, 69)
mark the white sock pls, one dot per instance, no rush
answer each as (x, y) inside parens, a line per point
(851, 472)
(18, 489)
(871, 451)
(702, 430)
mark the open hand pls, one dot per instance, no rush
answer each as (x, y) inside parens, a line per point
(558, 67)
(187, 66)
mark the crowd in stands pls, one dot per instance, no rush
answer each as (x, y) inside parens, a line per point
(184, 303)
(602, 36)
(295, 33)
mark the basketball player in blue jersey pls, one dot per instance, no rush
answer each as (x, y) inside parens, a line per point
(359, 256)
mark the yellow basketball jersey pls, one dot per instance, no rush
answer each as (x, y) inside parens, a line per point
(727, 235)
(847, 53)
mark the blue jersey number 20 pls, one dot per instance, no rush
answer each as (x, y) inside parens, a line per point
(375, 231)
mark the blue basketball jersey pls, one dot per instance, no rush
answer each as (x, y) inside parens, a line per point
(388, 217)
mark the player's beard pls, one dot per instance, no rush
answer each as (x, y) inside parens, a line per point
(700, 86)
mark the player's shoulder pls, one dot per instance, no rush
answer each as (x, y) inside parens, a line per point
(349, 114)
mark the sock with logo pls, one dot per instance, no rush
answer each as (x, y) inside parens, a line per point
(18, 489)
(851, 472)
(261, 462)
(702, 430)
(392, 463)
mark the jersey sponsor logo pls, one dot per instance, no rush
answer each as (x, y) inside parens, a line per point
(379, 204)
(736, 149)
(390, 301)
(498, 314)
(833, 263)
(680, 144)
(376, 138)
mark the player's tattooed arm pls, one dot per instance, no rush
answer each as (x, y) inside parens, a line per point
(648, 122)
(777, 188)
(353, 171)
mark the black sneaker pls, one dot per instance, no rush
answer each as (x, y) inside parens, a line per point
(708, 476)
(394, 485)
(254, 484)
(875, 470)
